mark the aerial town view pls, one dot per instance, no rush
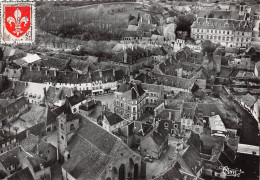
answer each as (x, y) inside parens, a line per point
(130, 90)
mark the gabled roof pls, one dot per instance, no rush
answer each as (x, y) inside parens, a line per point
(217, 13)
(87, 162)
(194, 141)
(104, 75)
(192, 160)
(112, 118)
(43, 74)
(36, 130)
(29, 58)
(159, 135)
(76, 98)
(145, 78)
(174, 81)
(11, 157)
(222, 24)
(91, 149)
(24, 174)
(206, 109)
(13, 107)
(171, 173)
(227, 157)
(29, 142)
(184, 96)
(131, 90)
(35, 115)
(171, 115)
(248, 99)
(36, 162)
(51, 117)
(13, 73)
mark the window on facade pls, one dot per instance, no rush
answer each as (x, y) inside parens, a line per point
(172, 131)
(134, 109)
(166, 124)
(175, 125)
(62, 137)
(72, 127)
(74, 110)
(62, 126)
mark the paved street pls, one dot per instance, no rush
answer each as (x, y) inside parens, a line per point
(107, 99)
(159, 166)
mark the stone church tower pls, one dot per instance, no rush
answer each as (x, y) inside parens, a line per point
(68, 123)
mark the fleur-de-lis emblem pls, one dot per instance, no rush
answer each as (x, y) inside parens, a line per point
(17, 21)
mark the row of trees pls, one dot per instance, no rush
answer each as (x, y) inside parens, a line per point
(79, 23)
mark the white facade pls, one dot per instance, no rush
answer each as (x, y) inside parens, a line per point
(179, 44)
(34, 92)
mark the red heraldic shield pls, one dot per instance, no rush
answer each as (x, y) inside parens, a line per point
(17, 20)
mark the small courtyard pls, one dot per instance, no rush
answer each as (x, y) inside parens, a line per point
(107, 99)
(167, 159)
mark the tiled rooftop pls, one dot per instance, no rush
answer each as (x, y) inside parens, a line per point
(222, 24)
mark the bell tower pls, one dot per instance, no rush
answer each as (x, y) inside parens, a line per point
(68, 123)
(62, 134)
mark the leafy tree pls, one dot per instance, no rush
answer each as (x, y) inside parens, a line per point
(70, 29)
(85, 36)
(184, 22)
(101, 10)
(208, 46)
(211, 15)
(82, 50)
(2, 174)
(61, 35)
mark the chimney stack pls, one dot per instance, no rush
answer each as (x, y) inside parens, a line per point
(45, 92)
(27, 133)
(100, 73)
(46, 72)
(77, 75)
(55, 73)
(37, 149)
(13, 84)
(30, 67)
(170, 115)
(39, 68)
(114, 74)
